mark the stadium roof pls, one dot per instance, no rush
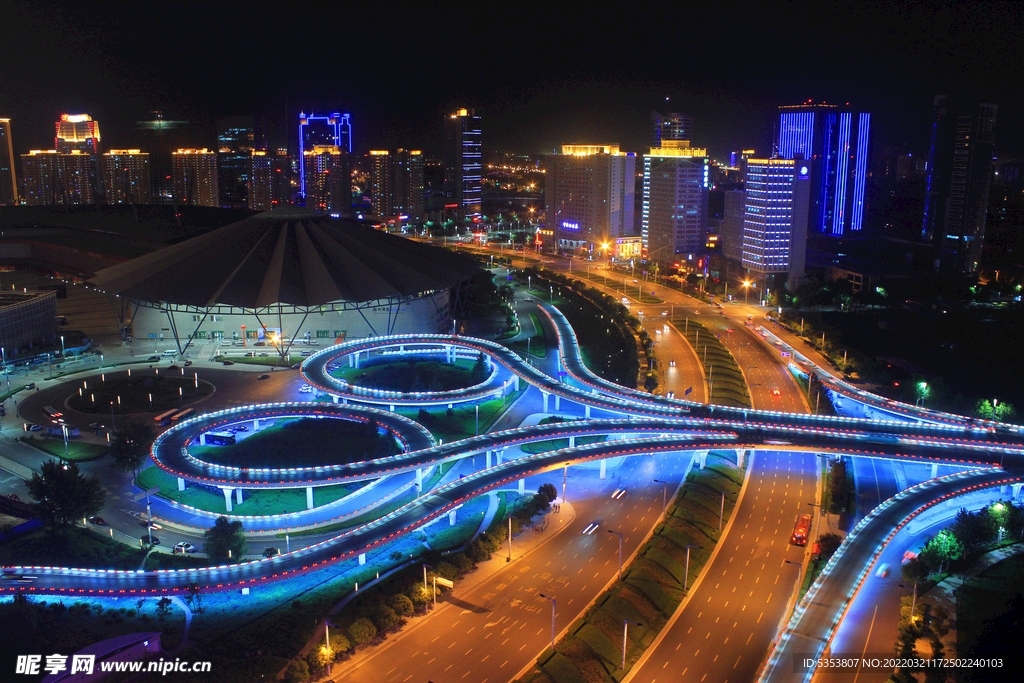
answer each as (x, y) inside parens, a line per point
(286, 256)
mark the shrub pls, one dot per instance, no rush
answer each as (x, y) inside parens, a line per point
(362, 631)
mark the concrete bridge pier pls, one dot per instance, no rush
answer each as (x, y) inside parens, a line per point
(586, 412)
(309, 497)
(522, 486)
(181, 484)
(227, 497)
(419, 479)
(702, 458)
(604, 468)
(335, 399)
(546, 396)
(238, 496)
(362, 559)
(558, 402)
(1015, 491)
(487, 461)
(741, 456)
(451, 518)
(202, 439)
(935, 469)
(572, 442)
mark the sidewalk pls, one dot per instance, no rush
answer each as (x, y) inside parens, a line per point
(522, 546)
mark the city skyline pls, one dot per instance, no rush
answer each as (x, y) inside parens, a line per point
(542, 94)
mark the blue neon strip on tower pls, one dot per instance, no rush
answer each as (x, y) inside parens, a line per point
(860, 170)
(842, 172)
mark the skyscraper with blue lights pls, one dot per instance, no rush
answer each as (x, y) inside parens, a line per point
(775, 217)
(463, 163)
(328, 130)
(836, 144)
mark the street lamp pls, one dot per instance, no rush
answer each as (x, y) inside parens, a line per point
(746, 291)
(619, 534)
(62, 347)
(922, 389)
(625, 630)
(554, 607)
(686, 575)
(664, 492)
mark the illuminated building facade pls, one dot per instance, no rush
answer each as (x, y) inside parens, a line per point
(675, 208)
(958, 182)
(776, 217)
(195, 177)
(670, 127)
(126, 176)
(396, 183)
(236, 140)
(836, 141)
(49, 177)
(328, 179)
(589, 195)
(160, 138)
(463, 163)
(733, 217)
(324, 130)
(80, 134)
(8, 177)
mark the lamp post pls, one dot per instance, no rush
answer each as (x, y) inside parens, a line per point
(62, 347)
(625, 631)
(619, 534)
(922, 389)
(554, 607)
(686, 575)
(746, 291)
(664, 492)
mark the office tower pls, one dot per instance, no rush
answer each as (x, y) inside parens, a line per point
(957, 186)
(49, 177)
(8, 177)
(126, 176)
(836, 142)
(396, 183)
(260, 190)
(195, 177)
(380, 182)
(328, 179)
(675, 209)
(328, 130)
(236, 140)
(671, 126)
(589, 194)
(776, 217)
(463, 163)
(732, 224)
(80, 134)
(77, 132)
(160, 137)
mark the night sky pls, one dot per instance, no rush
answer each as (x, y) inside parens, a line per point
(538, 74)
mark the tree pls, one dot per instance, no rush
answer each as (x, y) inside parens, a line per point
(130, 447)
(401, 604)
(943, 548)
(479, 373)
(297, 671)
(828, 544)
(974, 530)
(548, 491)
(838, 486)
(915, 570)
(163, 608)
(362, 631)
(63, 495)
(384, 618)
(225, 540)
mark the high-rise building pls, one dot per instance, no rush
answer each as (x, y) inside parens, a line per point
(463, 163)
(328, 179)
(589, 195)
(236, 139)
(49, 177)
(77, 132)
(670, 127)
(380, 182)
(80, 134)
(195, 177)
(160, 137)
(958, 181)
(126, 176)
(776, 217)
(733, 217)
(327, 130)
(269, 179)
(836, 143)
(8, 177)
(675, 209)
(396, 182)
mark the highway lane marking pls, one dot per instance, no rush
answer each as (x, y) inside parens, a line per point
(737, 661)
(395, 667)
(749, 638)
(758, 620)
(407, 678)
(696, 653)
(769, 597)
(451, 646)
(432, 660)
(687, 632)
(485, 659)
(777, 579)
(467, 652)
(489, 635)
(503, 665)
(449, 666)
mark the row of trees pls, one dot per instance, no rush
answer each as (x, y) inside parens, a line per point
(378, 612)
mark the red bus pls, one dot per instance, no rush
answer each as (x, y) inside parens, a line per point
(164, 418)
(801, 530)
(181, 415)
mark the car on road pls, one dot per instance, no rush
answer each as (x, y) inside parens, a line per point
(145, 540)
(153, 359)
(306, 389)
(95, 425)
(882, 571)
(184, 547)
(33, 428)
(97, 521)
(229, 362)
(908, 556)
(264, 376)
(188, 363)
(14, 497)
(776, 392)
(154, 525)
(672, 363)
